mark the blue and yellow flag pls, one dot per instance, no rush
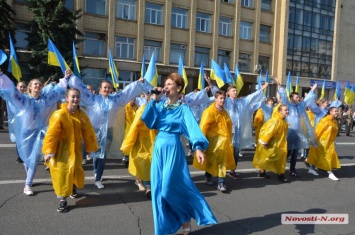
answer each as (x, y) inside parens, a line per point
(322, 94)
(297, 88)
(76, 63)
(143, 67)
(229, 77)
(151, 75)
(55, 58)
(113, 70)
(182, 72)
(14, 66)
(217, 74)
(3, 57)
(337, 94)
(238, 79)
(201, 78)
(347, 93)
(289, 85)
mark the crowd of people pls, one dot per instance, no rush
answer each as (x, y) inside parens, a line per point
(65, 123)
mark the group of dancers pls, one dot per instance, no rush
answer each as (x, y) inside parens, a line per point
(217, 126)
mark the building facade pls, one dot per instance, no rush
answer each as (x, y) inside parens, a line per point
(301, 36)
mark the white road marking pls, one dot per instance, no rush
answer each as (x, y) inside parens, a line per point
(7, 145)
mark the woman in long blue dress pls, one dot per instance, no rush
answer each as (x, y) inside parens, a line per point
(31, 115)
(175, 198)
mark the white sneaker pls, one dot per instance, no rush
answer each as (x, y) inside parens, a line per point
(240, 155)
(313, 172)
(99, 185)
(28, 191)
(88, 157)
(332, 177)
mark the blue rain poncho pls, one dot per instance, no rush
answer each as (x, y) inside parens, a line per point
(319, 112)
(197, 101)
(300, 132)
(31, 116)
(102, 110)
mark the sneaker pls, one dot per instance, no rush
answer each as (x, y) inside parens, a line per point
(140, 185)
(99, 185)
(209, 181)
(233, 175)
(221, 187)
(313, 172)
(83, 162)
(62, 207)
(148, 193)
(88, 158)
(332, 177)
(294, 174)
(240, 155)
(282, 178)
(263, 175)
(28, 191)
(125, 161)
(74, 194)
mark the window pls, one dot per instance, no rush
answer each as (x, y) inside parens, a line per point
(203, 22)
(153, 14)
(126, 9)
(223, 57)
(247, 3)
(266, 5)
(264, 33)
(225, 27)
(125, 78)
(245, 30)
(93, 77)
(264, 62)
(21, 33)
(202, 54)
(95, 44)
(229, 1)
(179, 18)
(69, 4)
(124, 47)
(244, 62)
(97, 7)
(177, 50)
(151, 47)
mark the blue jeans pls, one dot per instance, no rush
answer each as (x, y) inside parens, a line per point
(236, 156)
(99, 165)
(30, 174)
(220, 179)
(293, 153)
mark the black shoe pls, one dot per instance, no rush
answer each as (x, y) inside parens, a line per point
(19, 160)
(294, 174)
(263, 175)
(62, 207)
(282, 178)
(125, 161)
(74, 194)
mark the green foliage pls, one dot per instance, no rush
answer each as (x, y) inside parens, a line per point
(7, 24)
(51, 20)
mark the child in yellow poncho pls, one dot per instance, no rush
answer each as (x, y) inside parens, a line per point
(62, 147)
(324, 156)
(271, 150)
(217, 127)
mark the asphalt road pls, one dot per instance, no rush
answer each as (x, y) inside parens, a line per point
(253, 205)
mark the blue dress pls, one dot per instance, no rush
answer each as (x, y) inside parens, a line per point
(175, 198)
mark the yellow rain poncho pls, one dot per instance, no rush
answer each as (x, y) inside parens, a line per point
(217, 127)
(64, 137)
(273, 133)
(258, 122)
(311, 117)
(138, 144)
(130, 112)
(324, 156)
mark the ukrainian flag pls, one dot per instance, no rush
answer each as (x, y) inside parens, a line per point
(297, 84)
(322, 94)
(289, 85)
(152, 73)
(182, 72)
(337, 94)
(217, 74)
(14, 66)
(55, 58)
(238, 79)
(201, 78)
(143, 67)
(76, 63)
(229, 77)
(113, 70)
(347, 93)
(3, 57)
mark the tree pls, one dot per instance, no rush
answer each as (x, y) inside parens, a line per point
(51, 20)
(7, 24)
